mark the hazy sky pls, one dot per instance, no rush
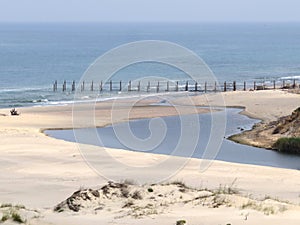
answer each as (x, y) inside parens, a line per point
(149, 10)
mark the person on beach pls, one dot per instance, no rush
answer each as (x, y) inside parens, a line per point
(14, 112)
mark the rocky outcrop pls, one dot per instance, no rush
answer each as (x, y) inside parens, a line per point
(265, 135)
(288, 126)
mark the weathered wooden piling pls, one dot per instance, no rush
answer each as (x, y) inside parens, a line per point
(139, 86)
(129, 85)
(92, 86)
(64, 88)
(187, 86)
(73, 85)
(55, 86)
(82, 86)
(294, 83)
(245, 86)
(110, 85)
(225, 88)
(101, 86)
(234, 86)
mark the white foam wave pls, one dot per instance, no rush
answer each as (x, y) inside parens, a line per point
(290, 78)
(21, 89)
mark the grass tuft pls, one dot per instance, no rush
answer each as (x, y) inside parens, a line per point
(5, 205)
(17, 218)
(4, 218)
(180, 222)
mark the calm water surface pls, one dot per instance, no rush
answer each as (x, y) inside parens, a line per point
(229, 151)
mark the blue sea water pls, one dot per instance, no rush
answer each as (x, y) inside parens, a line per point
(32, 56)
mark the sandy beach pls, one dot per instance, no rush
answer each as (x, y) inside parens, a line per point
(39, 172)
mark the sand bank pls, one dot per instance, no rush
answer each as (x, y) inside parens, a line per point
(40, 172)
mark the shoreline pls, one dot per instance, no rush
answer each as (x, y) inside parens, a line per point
(39, 171)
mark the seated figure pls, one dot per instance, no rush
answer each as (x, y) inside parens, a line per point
(14, 112)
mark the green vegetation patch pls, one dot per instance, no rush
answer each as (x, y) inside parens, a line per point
(288, 145)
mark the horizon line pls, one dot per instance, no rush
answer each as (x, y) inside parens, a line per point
(152, 22)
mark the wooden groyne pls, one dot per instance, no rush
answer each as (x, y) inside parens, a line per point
(168, 86)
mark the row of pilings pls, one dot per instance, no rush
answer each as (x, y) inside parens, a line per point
(169, 86)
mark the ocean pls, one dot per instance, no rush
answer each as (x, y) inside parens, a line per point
(33, 56)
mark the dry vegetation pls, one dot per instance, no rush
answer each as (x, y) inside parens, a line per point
(151, 200)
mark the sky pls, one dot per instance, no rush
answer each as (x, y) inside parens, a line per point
(149, 11)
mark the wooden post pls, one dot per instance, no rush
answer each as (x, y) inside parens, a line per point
(148, 86)
(176, 88)
(64, 86)
(101, 86)
(274, 84)
(245, 86)
(215, 89)
(139, 86)
(205, 87)
(82, 86)
(157, 88)
(225, 86)
(167, 86)
(234, 86)
(120, 89)
(283, 83)
(294, 84)
(110, 85)
(73, 85)
(129, 86)
(187, 86)
(92, 86)
(254, 86)
(196, 86)
(55, 86)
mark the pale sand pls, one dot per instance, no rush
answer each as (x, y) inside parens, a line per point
(39, 171)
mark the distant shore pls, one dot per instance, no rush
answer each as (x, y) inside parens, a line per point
(39, 171)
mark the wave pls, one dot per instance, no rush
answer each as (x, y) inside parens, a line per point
(8, 90)
(40, 100)
(107, 98)
(290, 78)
